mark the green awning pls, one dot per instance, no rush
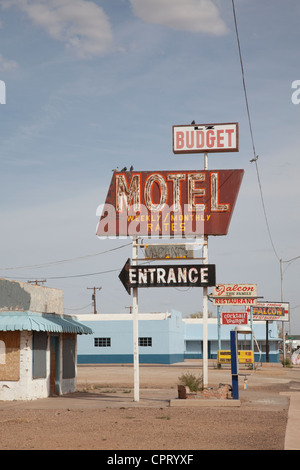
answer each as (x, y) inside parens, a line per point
(30, 321)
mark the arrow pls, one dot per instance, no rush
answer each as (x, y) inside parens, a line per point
(124, 276)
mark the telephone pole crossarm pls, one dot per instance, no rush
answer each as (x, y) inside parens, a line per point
(94, 297)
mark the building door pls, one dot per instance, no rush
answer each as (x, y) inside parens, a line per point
(54, 365)
(209, 349)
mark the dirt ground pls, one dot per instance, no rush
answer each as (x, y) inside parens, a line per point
(102, 414)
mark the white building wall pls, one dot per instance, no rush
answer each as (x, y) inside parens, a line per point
(25, 388)
(28, 388)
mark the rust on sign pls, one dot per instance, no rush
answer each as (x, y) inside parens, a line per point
(170, 203)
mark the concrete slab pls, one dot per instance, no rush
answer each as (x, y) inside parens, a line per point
(292, 436)
(204, 402)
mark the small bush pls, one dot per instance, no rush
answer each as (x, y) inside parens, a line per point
(287, 362)
(190, 380)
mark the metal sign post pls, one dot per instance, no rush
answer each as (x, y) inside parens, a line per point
(234, 365)
(205, 305)
(205, 319)
(135, 311)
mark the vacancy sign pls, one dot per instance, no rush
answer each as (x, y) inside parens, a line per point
(204, 138)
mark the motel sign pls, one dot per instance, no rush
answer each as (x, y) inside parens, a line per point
(169, 203)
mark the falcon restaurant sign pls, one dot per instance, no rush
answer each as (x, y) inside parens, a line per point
(235, 294)
(168, 276)
(205, 138)
(271, 311)
(169, 203)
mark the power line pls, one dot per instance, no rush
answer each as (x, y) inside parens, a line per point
(290, 260)
(255, 157)
(243, 78)
(264, 209)
(78, 308)
(52, 263)
(71, 276)
(47, 278)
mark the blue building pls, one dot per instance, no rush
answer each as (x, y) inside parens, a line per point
(221, 335)
(165, 338)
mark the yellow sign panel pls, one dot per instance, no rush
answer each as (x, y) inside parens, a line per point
(245, 357)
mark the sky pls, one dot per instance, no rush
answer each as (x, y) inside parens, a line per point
(92, 85)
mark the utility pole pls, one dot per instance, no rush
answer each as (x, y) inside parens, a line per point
(282, 323)
(94, 297)
(36, 282)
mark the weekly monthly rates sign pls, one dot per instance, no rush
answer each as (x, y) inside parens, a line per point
(202, 138)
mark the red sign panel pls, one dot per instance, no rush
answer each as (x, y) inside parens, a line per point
(234, 318)
(206, 138)
(169, 203)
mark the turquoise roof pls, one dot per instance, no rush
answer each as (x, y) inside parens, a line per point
(30, 321)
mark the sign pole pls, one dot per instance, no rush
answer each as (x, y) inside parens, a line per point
(219, 326)
(267, 341)
(205, 304)
(234, 365)
(205, 318)
(251, 326)
(135, 324)
(219, 332)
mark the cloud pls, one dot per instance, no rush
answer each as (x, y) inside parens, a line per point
(197, 16)
(6, 64)
(81, 25)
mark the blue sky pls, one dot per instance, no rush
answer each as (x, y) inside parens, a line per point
(91, 85)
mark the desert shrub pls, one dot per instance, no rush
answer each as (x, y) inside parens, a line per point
(190, 380)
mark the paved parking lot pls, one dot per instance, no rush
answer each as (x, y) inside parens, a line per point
(269, 407)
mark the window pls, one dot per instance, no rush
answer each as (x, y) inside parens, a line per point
(102, 342)
(39, 369)
(10, 355)
(145, 341)
(69, 356)
(2, 352)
